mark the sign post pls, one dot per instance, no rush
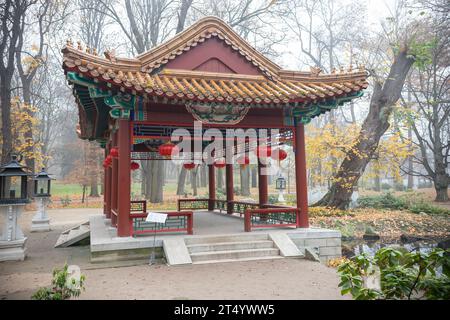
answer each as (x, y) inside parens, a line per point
(156, 218)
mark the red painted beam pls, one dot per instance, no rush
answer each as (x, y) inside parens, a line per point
(124, 223)
(107, 189)
(229, 187)
(301, 179)
(262, 186)
(114, 182)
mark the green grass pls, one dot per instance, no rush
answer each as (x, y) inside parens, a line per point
(60, 189)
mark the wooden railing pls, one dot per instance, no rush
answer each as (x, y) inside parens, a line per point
(176, 222)
(138, 206)
(270, 218)
(242, 206)
(192, 204)
(220, 205)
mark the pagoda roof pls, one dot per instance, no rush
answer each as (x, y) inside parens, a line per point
(145, 74)
(167, 74)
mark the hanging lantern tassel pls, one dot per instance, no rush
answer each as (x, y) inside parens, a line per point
(134, 166)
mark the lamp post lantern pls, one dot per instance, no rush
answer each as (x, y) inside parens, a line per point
(280, 185)
(42, 185)
(13, 199)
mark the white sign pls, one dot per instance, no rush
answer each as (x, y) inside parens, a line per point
(156, 217)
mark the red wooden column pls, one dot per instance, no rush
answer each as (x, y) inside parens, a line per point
(124, 225)
(230, 187)
(114, 183)
(262, 185)
(212, 187)
(300, 174)
(107, 188)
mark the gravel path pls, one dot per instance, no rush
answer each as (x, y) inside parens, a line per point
(268, 279)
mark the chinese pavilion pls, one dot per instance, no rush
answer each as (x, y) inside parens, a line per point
(206, 73)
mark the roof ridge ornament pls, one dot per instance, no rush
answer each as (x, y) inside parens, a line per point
(110, 54)
(315, 71)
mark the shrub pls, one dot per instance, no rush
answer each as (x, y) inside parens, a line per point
(385, 186)
(66, 201)
(410, 201)
(63, 286)
(384, 201)
(273, 199)
(398, 274)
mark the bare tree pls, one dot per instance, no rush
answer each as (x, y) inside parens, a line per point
(46, 14)
(430, 90)
(12, 15)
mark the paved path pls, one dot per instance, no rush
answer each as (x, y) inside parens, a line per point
(277, 279)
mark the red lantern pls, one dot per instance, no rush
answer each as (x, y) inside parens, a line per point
(167, 149)
(279, 154)
(189, 165)
(243, 161)
(263, 151)
(114, 152)
(220, 163)
(108, 160)
(134, 166)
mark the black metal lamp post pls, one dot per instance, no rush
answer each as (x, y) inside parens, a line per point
(42, 189)
(13, 198)
(13, 183)
(42, 184)
(280, 185)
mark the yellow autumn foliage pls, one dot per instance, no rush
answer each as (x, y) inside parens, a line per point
(22, 120)
(327, 147)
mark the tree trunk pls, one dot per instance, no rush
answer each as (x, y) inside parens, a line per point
(5, 102)
(185, 5)
(203, 175)
(181, 181)
(245, 181)
(94, 188)
(374, 126)
(194, 181)
(441, 181)
(157, 180)
(254, 173)
(220, 179)
(441, 193)
(410, 158)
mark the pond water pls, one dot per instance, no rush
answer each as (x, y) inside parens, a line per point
(351, 248)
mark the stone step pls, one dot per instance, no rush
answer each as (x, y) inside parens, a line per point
(234, 254)
(239, 260)
(226, 246)
(225, 238)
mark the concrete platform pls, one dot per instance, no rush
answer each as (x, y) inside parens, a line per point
(105, 245)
